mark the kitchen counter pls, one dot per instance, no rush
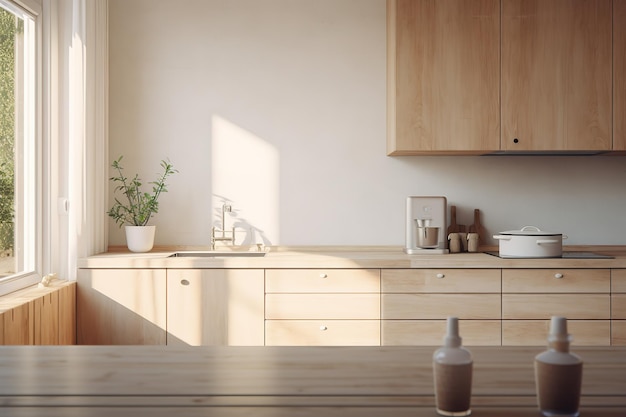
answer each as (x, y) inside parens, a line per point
(281, 381)
(349, 257)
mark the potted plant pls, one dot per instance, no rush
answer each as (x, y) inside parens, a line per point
(137, 207)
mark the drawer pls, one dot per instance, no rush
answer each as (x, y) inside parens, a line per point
(544, 306)
(440, 306)
(431, 332)
(535, 332)
(322, 333)
(322, 280)
(441, 280)
(322, 306)
(556, 280)
(618, 306)
(618, 332)
(618, 280)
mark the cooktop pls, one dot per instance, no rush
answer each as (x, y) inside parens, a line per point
(567, 255)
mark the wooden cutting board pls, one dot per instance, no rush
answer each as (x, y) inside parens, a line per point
(454, 227)
(476, 227)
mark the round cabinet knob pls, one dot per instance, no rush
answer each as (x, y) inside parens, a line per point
(440, 275)
(558, 275)
(516, 140)
(184, 282)
(323, 275)
(322, 327)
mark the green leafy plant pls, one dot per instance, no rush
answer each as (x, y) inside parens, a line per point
(137, 206)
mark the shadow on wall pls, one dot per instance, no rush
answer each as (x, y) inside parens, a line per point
(245, 175)
(246, 233)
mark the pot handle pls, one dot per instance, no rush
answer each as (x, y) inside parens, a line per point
(548, 241)
(502, 237)
(535, 228)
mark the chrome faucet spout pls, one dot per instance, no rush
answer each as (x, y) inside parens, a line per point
(226, 208)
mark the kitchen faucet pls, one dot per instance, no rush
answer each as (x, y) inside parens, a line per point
(226, 208)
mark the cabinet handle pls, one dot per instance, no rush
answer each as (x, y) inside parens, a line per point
(440, 275)
(184, 282)
(323, 275)
(558, 276)
(322, 327)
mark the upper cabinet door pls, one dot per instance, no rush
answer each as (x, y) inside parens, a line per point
(443, 76)
(556, 75)
(619, 75)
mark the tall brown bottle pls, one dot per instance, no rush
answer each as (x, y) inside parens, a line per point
(558, 374)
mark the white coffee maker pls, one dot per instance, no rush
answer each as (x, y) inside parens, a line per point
(426, 225)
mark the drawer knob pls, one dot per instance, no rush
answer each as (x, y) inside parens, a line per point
(322, 327)
(558, 275)
(440, 275)
(184, 282)
(323, 275)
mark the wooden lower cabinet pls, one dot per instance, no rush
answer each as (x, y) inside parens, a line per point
(618, 332)
(322, 332)
(322, 307)
(530, 297)
(618, 306)
(535, 332)
(121, 307)
(431, 332)
(215, 307)
(415, 304)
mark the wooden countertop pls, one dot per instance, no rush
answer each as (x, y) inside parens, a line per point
(281, 381)
(348, 257)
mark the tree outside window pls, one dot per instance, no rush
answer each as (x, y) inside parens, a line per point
(10, 26)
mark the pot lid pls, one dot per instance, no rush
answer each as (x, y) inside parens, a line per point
(530, 231)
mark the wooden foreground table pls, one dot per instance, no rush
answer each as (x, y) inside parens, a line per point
(280, 381)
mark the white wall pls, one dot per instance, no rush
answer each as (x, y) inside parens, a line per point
(278, 107)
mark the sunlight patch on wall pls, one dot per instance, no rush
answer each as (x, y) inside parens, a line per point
(245, 174)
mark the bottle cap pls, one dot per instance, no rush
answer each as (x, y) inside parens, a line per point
(452, 338)
(558, 329)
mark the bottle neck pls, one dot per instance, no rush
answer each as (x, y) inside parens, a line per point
(559, 345)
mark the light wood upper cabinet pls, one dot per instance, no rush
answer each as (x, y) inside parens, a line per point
(619, 75)
(556, 75)
(443, 76)
(480, 76)
(215, 307)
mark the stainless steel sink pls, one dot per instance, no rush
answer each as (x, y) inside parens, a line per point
(216, 254)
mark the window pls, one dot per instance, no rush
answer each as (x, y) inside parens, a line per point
(20, 148)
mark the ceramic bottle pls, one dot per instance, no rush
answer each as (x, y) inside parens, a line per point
(452, 370)
(558, 374)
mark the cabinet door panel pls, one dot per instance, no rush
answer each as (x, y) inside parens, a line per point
(618, 332)
(440, 306)
(618, 280)
(322, 332)
(121, 307)
(556, 280)
(619, 75)
(431, 332)
(535, 332)
(215, 307)
(322, 306)
(322, 280)
(542, 306)
(556, 74)
(618, 306)
(443, 75)
(441, 280)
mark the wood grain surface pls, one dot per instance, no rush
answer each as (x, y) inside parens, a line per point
(277, 381)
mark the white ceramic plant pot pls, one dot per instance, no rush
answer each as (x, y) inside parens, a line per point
(140, 238)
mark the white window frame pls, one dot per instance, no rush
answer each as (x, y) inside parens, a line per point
(28, 174)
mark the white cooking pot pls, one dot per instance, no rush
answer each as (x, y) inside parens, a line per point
(530, 242)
